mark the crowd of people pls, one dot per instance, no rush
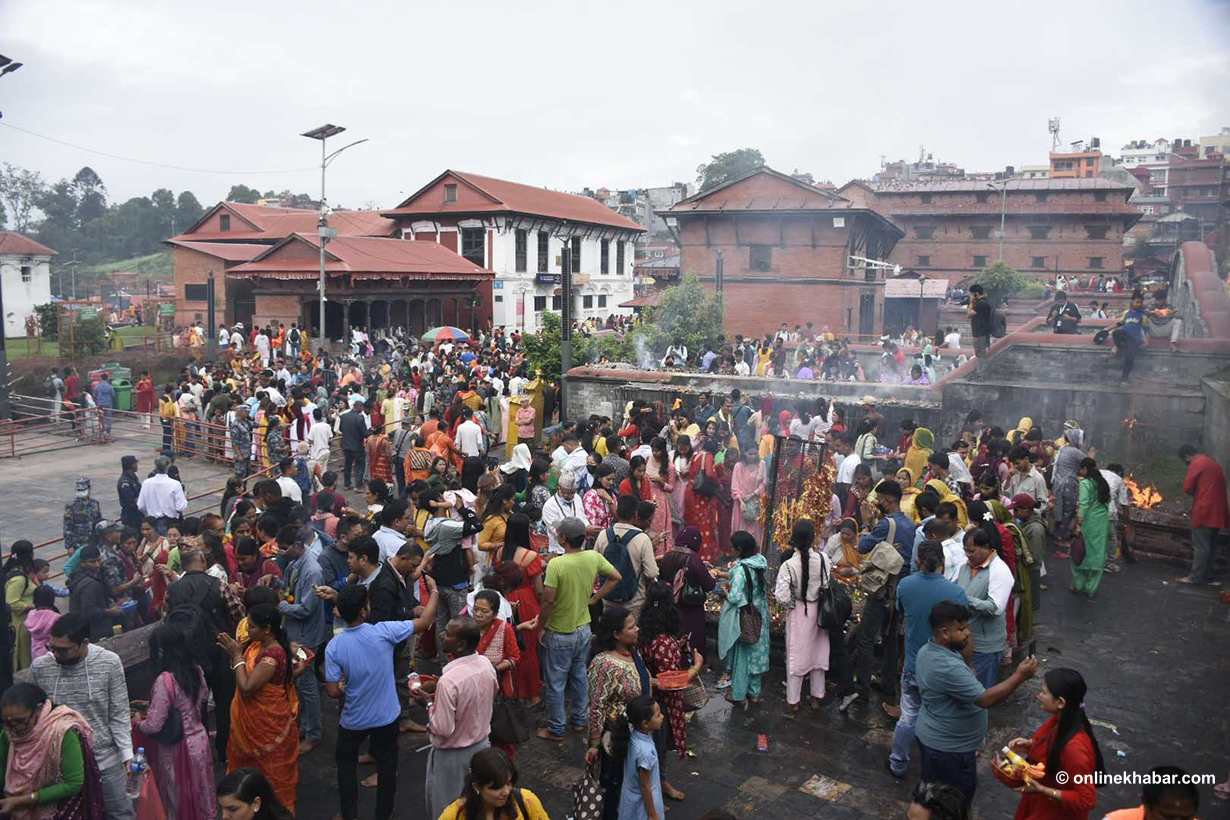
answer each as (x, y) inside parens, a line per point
(510, 577)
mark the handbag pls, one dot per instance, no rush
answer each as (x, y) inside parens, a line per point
(588, 795)
(704, 484)
(172, 730)
(751, 622)
(750, 508)
(694, 696)
(835, 607)
(509, 724)
(1076, 550)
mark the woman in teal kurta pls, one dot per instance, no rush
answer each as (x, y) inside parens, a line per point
(745, 662)
(1093, 522)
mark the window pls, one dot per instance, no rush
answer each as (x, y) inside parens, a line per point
(604, 264)
(1096, 231)
(27, 273)
(761, 257)
(587, 302)
(544, 248)
(1089, 173)
(1041, 196)
(557, 302)
(981, 231)
(224, 222)
(540, 304)
(923, 262)
(1099, 196)
(522, 251)
(195, 293)
(658, 254)
(619, 258)
(1039, 232)
(981, 196)
(602, 301)
(576, 254)
(980, 261)
(1095, 262)
(473, 241)
(925, 199)
(1037, 261)
(924, 233)
(450, 192)
(499, 298)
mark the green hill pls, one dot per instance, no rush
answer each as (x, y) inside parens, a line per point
(156, 265)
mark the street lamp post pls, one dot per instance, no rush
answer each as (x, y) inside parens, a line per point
(326, 233)
(1003, 209)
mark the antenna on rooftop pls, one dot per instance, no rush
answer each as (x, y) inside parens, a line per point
(1052, 125)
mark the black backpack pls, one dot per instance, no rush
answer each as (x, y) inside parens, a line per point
(619, 557)
(190, 619)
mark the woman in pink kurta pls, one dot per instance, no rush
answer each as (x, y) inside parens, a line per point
(681, 462)
(661, 477)
(799, 582)
(747, 488)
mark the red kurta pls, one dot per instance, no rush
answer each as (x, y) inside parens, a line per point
(1206, 484)
(145, 396)
(1076, 758)
(701, 511)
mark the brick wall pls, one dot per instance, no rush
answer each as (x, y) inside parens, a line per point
(271, 309)
(190, 267)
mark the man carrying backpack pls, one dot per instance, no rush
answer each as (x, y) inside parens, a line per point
(630, 550)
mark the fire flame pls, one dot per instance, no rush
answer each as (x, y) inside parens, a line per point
(1146, 498)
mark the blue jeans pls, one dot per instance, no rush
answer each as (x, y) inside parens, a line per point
(903, 735)
(309, 705)
(565, 663)
(957, 769)
(986, 667)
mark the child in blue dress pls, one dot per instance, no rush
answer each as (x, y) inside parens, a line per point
(641, 798)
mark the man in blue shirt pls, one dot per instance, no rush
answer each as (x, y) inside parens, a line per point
(359, 667)
(952, 722)
(305, 621)
(104, 397)
(1129, 333)
(916, 597)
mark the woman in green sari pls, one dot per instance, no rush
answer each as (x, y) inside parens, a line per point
(1093, 522)
(745, 662)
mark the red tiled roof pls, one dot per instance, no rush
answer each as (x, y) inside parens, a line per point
(12, 242)
(230, 251)
(266, 222)
(364, 258)
(1017, 209)
(515, 198)
(648, 300)
(728, 197)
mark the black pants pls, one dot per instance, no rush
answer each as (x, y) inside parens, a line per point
(221, 682)
(1130, 348)
(399, 471)
(957, 769)
(876, 616)
(354, 460)
(841, 662)
(384, 748)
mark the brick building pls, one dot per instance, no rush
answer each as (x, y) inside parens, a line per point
(1051, 226)
(374, 283)
(784, 250)
(526, 236)
(232, 233)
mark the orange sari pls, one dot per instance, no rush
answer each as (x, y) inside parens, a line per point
(265, 727)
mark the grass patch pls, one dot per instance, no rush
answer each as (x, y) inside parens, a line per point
(23, 348)
(155, 265)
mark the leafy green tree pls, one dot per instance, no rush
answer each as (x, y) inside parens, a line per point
(1002, 282)
(20, 191)
(242, 193)
(48, 316)
(187, 210)
(543, 350)
(688, 313)
(726, 166)
(91, 195)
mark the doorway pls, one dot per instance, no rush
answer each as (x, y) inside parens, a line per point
(867, 313)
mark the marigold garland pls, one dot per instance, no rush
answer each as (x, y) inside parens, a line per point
(814, 502)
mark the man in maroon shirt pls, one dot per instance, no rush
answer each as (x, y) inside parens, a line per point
(1206, 484)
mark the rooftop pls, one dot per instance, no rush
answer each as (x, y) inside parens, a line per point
(960, 186)
(230, 251)
(264, 222)
(361, 258)
(13, 243)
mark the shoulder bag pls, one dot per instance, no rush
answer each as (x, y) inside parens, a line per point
(835, 607)
(172, 730)
(751, 622)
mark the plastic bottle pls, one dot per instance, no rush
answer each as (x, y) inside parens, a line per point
(1015, 759)
(136, 772)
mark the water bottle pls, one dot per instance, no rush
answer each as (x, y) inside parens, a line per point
(136, 772)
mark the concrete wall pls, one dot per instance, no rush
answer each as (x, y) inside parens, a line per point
(20, 296)
(1217, 420)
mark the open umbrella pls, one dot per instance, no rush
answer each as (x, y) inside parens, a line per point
(446, 334)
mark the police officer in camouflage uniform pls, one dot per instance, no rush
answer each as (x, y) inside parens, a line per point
(81, 516)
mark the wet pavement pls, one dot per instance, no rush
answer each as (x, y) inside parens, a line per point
(1152, 652)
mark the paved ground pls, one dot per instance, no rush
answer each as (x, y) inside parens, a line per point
(1152, 652)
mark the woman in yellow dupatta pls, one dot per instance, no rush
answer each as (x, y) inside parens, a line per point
(909, 492)
(1022, 429)
(946, 494)
(264, 714)
(842, 551)
(920, 448)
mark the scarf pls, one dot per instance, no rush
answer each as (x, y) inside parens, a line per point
(34, 759)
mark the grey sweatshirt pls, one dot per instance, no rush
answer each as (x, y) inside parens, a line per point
(96, 688)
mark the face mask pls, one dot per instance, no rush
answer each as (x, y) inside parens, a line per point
(83, 493)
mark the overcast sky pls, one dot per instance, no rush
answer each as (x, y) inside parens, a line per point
(569, 94)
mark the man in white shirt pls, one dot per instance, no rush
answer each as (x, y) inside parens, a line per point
(959, 470)
(845, 467)
(679, 350)
(470, 439)
(1119, 503)
(161, 496)
(564, 504)
(741, 367)
(290, 487)
(262, 347)
(237, 339)
(319, 436)
(283, 373)
(224, 339)
(952, 340)
(515, 384)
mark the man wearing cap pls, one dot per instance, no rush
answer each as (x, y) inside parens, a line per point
(869, 412)
(81, 516)
(565, 637)
(129, 489)
(1024, 506)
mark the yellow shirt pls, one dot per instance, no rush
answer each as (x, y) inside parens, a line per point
(532, 805)
(492, 536)
(600, 446)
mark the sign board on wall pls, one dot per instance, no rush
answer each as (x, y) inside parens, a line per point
(908, 288)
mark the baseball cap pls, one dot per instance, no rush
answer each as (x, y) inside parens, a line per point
(1022, 501)
(571, 528)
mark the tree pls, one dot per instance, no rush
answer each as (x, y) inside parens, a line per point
(242, 193)
(187, 210)
(543, 349)
(1000, 281)
(91, 195)
(726, 166)
(687, 313)
(20, 191)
